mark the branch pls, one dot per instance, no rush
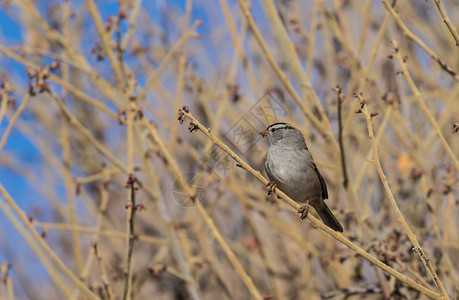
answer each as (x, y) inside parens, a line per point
(339, 92)
(195, 124)
(103, 273)
(447, 21)
(417, 247)
(132, 208)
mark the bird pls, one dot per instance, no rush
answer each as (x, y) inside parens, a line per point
(291, 168)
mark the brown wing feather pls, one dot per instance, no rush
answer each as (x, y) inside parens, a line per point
(322, 182)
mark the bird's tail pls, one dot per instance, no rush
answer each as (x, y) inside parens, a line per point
(329, 219)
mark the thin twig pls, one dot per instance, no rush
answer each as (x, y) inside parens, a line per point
(105, 40)
(133, 19)
(13, 120)
(131, 205)
(416, 246)
(96, 231)
(103, 273)
(132, 180)
(340, 99)
(312, 37)
(66, 154)
(3, 105)
(369, 156)
(447, 21)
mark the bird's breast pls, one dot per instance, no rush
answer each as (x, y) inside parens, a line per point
(293, 174)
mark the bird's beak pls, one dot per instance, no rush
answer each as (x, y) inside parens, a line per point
(264, 133)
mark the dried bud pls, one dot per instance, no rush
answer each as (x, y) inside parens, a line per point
(447, 189)
(140, 207)
(416, 174)
(45, 74)
(192, 127)
(139, 114)
(12, 102)
(405, 58)
(122, 14)
(181, 116)
(416, 249)
(358, 111)
(337, 89)
(111, 19)
(390, 56)
(31, 90)
(455, 127)
(54, 65)
(77, 188)
(44, 87)
(374, 114)
(121, 117)
(131, 180)
(31, 72)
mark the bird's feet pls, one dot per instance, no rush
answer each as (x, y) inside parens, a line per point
(304, 210)
(271, 187)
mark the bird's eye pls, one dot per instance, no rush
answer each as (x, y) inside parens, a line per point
(273, 129)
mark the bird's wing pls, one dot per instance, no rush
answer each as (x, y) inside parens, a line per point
(268, 170)
(322, 182)
(273, 176)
